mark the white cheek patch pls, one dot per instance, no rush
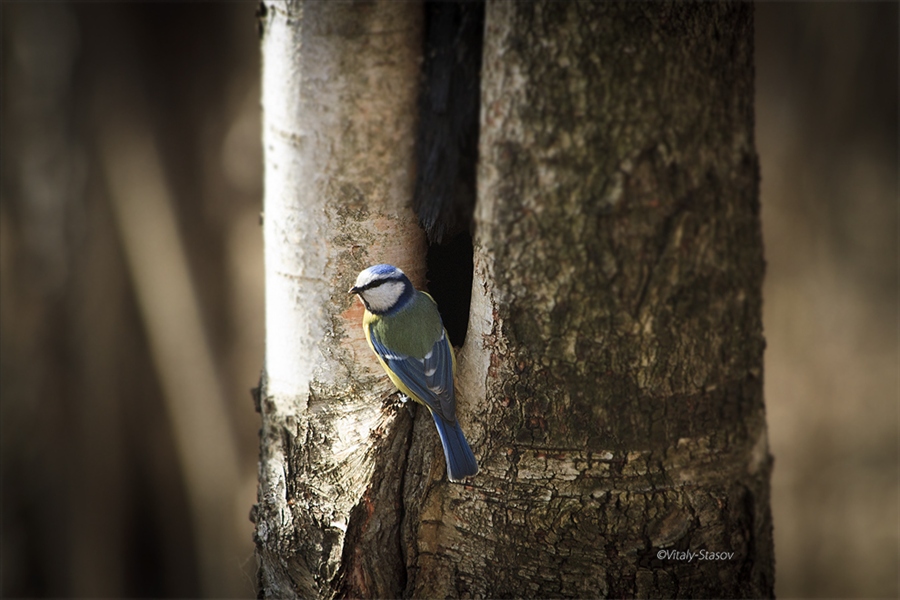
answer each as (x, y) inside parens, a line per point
(384, 296)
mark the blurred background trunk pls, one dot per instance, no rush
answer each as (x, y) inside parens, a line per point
(94, 496)
(132, 299)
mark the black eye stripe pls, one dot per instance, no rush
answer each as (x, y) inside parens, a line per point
(376, 283)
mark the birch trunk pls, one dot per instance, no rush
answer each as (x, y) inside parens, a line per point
(339, 97)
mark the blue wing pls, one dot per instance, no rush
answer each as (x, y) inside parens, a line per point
(429, 378)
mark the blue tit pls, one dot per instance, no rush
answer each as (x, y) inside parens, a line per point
(404, 329)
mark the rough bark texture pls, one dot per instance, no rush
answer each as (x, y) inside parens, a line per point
(611, 379)
(610, 383)
(340, 84)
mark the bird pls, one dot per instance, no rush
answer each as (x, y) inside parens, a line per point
(404, 328)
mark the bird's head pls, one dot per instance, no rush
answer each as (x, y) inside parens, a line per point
(383, 289)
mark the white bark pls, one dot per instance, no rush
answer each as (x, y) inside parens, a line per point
(339, 95)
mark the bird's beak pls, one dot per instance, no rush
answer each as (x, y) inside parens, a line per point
(353, 290)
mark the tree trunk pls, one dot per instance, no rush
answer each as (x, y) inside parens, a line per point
(611, 379)
(614, 353)
(339, 96)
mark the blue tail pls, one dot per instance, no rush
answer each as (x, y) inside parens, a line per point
(460, 460)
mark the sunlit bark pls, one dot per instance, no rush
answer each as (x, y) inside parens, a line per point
(339, 95)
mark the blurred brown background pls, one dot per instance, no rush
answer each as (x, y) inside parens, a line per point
(131, 262)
